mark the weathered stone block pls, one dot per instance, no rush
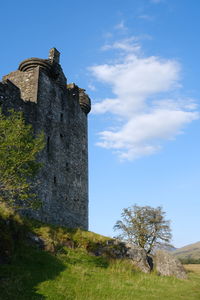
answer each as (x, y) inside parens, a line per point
(167, 265)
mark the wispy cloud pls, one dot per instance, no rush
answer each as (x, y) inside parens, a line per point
(142, 88)
(128, 45)
(121, 26)
(91, 86)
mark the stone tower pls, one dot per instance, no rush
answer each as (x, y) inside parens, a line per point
(39, 89)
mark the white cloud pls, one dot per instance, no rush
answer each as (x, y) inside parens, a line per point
(142, 134)
(139, 85)
(130, 44)
(132, 81)
(124, 45)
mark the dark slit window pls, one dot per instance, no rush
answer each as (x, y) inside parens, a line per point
(54, 179)
(61, 117)
(67, 167)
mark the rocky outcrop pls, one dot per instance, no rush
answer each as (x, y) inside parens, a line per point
(167, 265)
(162, 262)
(138, 258)
(119, 250)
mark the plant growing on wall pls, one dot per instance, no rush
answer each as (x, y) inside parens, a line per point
(18, 152)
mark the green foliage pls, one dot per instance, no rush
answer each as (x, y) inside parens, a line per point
(144, 226)
(58, 238)
(18, 152)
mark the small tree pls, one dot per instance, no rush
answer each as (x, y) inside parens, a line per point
(18, 165)
(144, 226)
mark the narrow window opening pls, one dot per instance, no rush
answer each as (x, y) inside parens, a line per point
(61, 117)
(54, 180)
(61, 135)
(67, 167)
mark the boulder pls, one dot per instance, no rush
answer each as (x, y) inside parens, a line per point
(117, 249)
(138, 258)
(167, 265)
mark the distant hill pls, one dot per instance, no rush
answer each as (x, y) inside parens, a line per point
(168, 248)
(191, 251)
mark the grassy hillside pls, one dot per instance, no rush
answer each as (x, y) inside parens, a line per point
(65, 269)
(191, 251)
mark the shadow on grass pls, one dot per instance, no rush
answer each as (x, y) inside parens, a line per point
(30, 267)
(22, 266)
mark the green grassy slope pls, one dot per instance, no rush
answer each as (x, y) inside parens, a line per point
(190, 251)
(65, 270)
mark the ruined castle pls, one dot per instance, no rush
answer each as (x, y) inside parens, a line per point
(39, 88)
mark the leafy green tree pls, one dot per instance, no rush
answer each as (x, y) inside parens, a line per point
(144, 226)
(18, 165)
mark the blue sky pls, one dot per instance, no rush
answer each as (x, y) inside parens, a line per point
(139, 62)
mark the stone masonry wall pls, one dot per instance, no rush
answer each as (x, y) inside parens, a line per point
(26, 82)
(54, 108)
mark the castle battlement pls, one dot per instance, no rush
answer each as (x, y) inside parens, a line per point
(39, 88)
